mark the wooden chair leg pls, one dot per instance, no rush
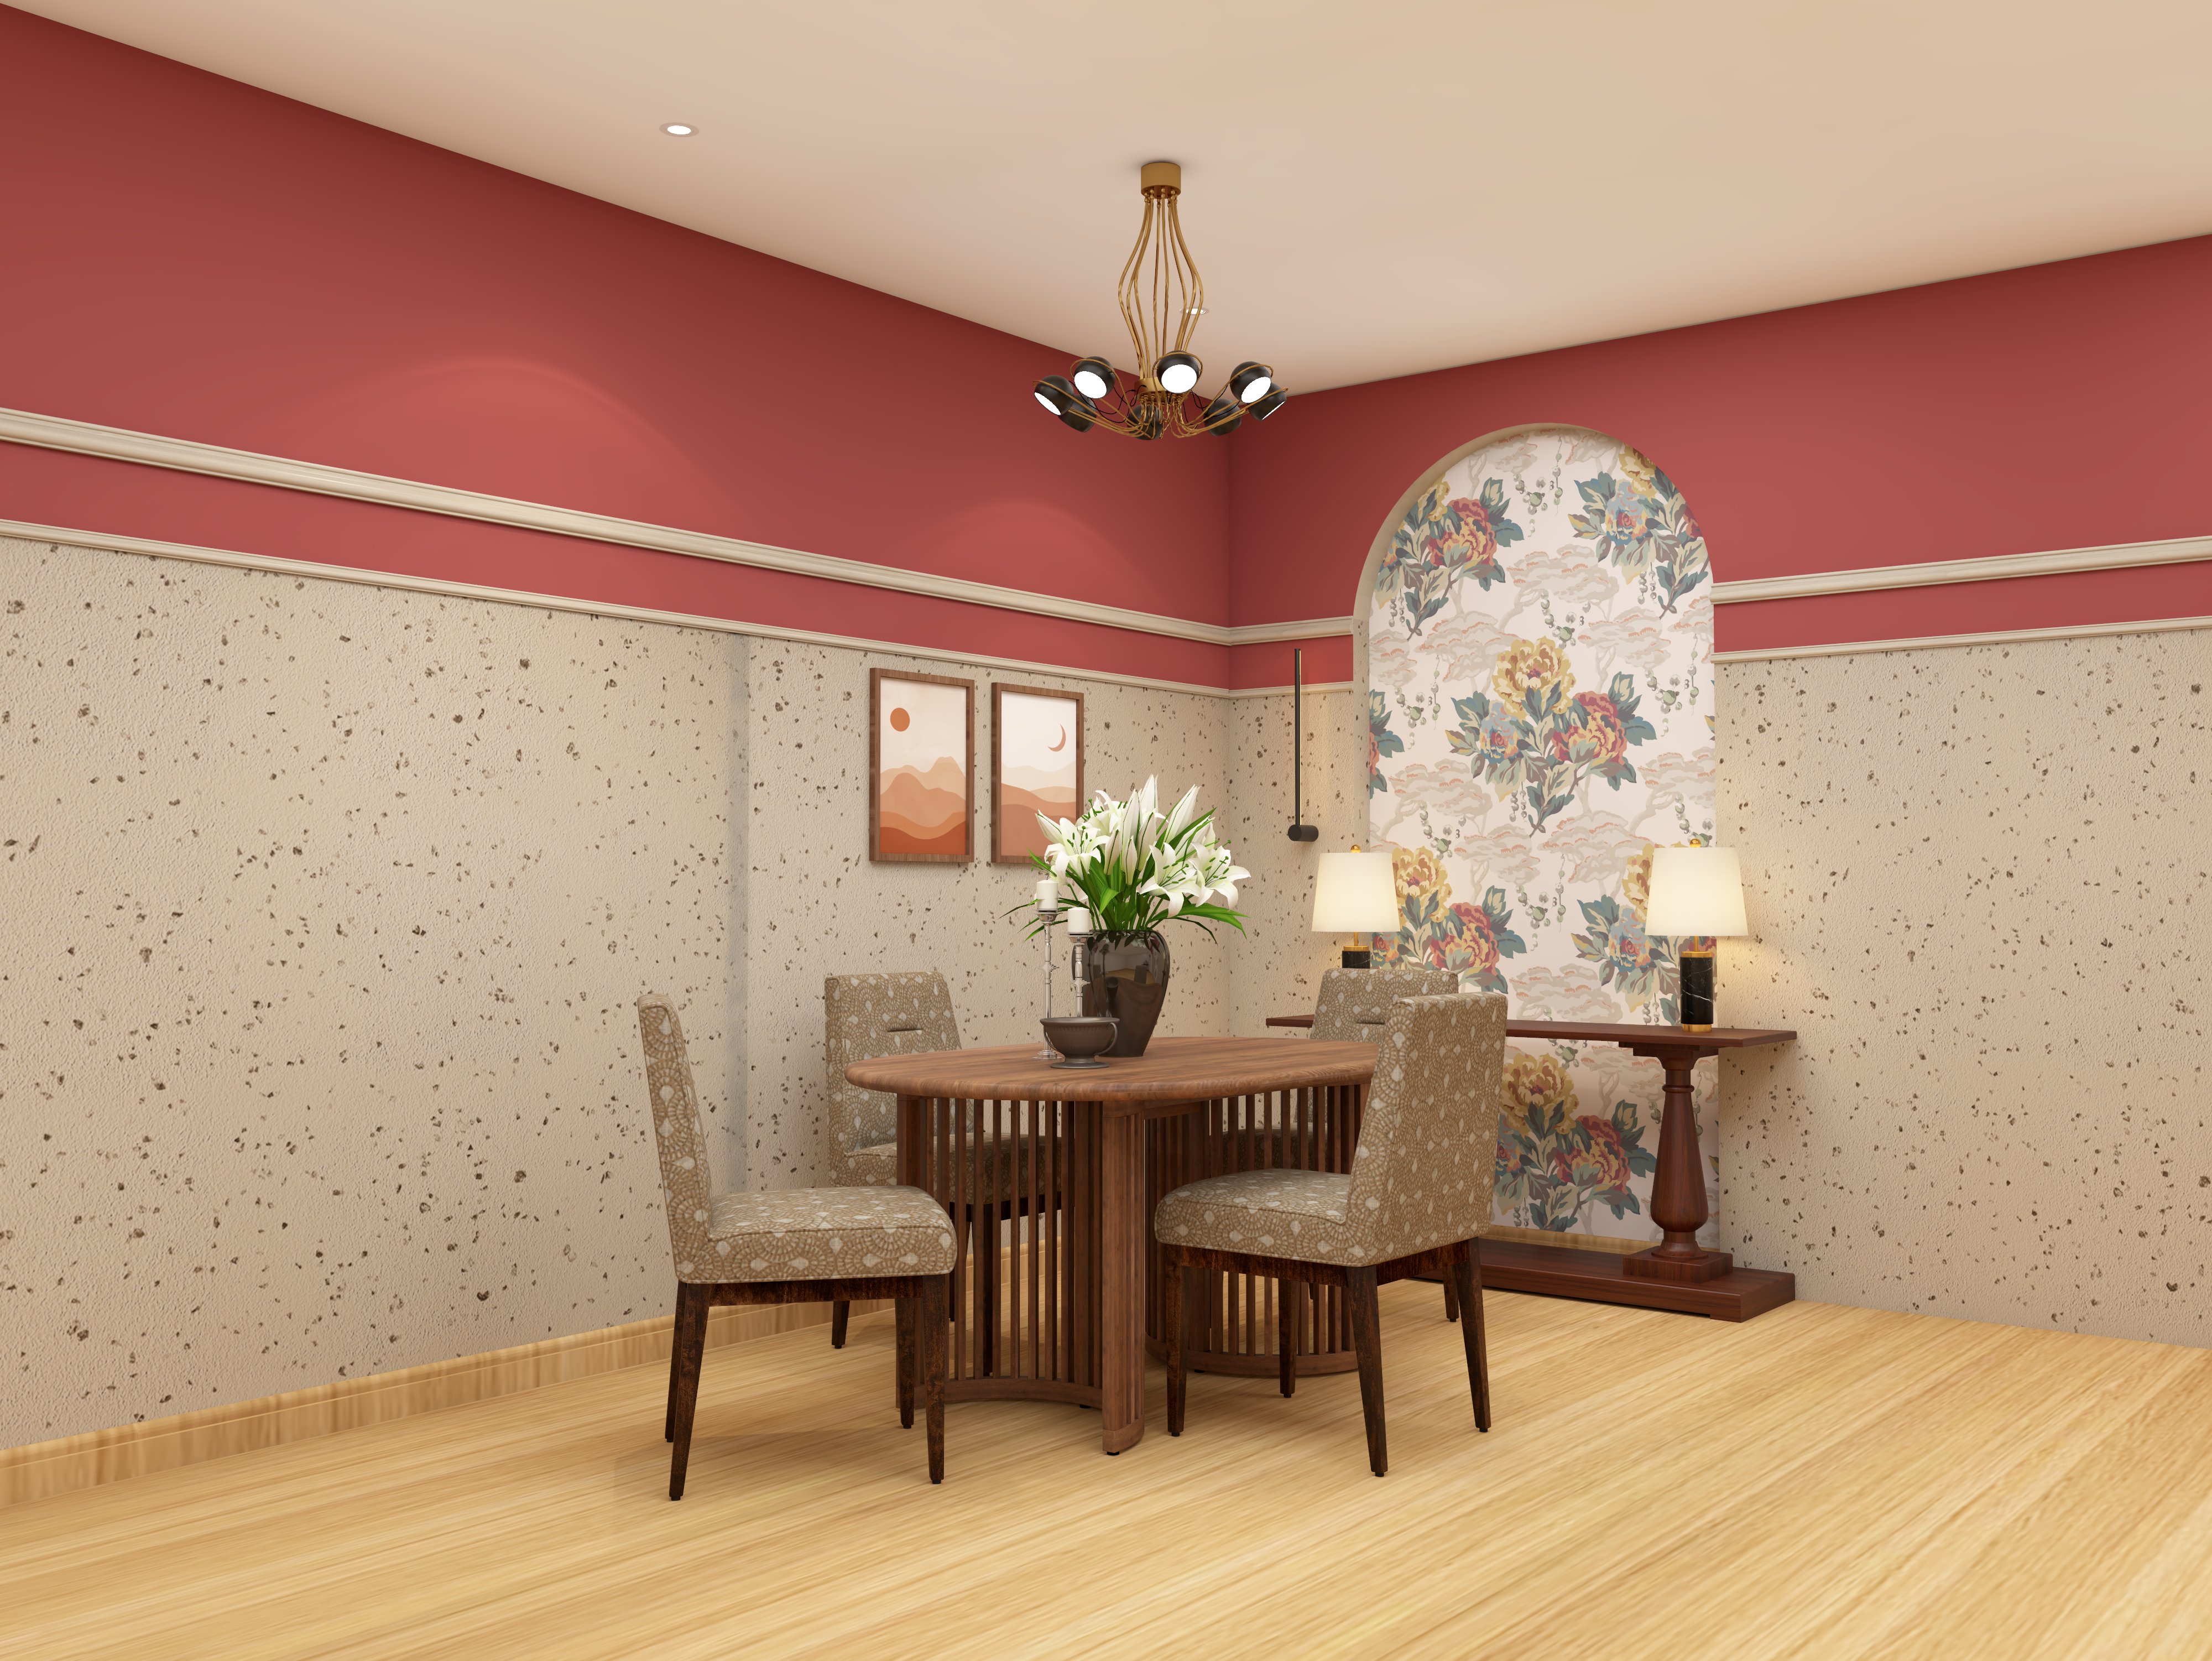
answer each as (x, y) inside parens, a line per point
(1467, 1276)
(906, 1318)
(1451, 1299)
(1179, 1292)
(935, 1306)
(691, 1344)
(1290, 1316)
(840, 1312)
(1367, 1339)
(674, 1363)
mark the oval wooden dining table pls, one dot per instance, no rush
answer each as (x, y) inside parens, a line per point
(1050, 1175)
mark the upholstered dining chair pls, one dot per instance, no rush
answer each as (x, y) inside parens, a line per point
(787, 1246)
(864, 1017)
(907, 1014)
(1355, 1004)
(1415, 1199)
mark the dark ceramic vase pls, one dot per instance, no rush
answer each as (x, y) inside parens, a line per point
(1128, 980)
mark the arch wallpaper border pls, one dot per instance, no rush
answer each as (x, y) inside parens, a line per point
(1542, 720)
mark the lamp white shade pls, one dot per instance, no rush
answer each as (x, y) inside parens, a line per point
(1695, 891)
(1355, 894)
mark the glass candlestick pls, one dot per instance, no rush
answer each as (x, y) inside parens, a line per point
(1049, 918)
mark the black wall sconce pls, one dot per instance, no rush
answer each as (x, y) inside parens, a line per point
(1299, 830)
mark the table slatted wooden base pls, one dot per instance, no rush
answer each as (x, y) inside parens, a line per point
(1050, 1177)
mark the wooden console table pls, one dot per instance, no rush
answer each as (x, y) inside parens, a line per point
(1678, 1273)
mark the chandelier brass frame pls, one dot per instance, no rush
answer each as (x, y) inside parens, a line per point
(1160, 289)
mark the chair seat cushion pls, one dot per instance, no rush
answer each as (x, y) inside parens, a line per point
(825, 1234)
(1275, 1214)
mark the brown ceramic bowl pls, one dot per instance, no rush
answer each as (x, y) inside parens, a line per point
(1081, 1039)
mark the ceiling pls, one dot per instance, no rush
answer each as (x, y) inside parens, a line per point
(1370, 189)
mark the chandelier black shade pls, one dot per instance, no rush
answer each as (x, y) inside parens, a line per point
(1163, 297)
(1093, 377)
(1248, 381)
(1054, 392)
(1178, 372)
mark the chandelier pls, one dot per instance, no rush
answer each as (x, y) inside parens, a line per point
(1160, 287)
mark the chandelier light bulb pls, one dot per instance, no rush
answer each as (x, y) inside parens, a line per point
(1177, 372)
(1268, 405)
(1248, 382)
(1093, 377)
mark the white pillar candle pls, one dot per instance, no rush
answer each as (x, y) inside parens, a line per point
(1079, 920)
(1048, 894)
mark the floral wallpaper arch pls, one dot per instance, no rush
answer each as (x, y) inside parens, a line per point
(1539, 666)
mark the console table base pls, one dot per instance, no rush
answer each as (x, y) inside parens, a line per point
(1602, 1277)
(1650, 1265)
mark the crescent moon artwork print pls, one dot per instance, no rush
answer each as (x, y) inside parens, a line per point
(1037, 755)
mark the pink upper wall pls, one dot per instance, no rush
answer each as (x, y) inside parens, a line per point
(2057, 406)
(192, 257)
(195, 257)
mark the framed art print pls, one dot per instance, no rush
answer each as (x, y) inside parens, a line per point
(922, 768)
(1037, 766)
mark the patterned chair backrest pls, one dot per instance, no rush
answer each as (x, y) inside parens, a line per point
(1428, 1140)
(1355, 1003)
(868, 1016)
(686, 1184)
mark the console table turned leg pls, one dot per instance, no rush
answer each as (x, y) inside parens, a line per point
(1678, 1189)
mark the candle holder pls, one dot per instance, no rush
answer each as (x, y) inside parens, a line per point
(1048, 917)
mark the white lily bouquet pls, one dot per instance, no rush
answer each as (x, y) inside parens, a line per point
(1134, 867)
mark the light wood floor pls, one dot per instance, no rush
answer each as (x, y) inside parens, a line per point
(1821, 1481)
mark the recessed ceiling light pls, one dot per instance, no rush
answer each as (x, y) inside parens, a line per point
(679, 129)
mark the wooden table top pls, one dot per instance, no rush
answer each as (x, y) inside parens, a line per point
(1169, 1070)
(1715, 1037)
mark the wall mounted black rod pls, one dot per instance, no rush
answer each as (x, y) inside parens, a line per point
(1299, 832)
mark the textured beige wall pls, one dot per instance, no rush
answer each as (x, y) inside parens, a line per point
(302, 971)
(1978, 882)
(820, 908)
(1275, 964)
(326, 908)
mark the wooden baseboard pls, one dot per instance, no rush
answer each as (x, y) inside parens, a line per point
(70, 1462)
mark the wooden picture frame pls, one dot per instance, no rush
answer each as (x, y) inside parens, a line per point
(1023, 764)
(923, 825)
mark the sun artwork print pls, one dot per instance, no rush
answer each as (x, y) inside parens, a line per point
(922, 768)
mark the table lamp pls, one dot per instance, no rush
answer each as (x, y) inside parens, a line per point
(1355, 893)
(1696, 893)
